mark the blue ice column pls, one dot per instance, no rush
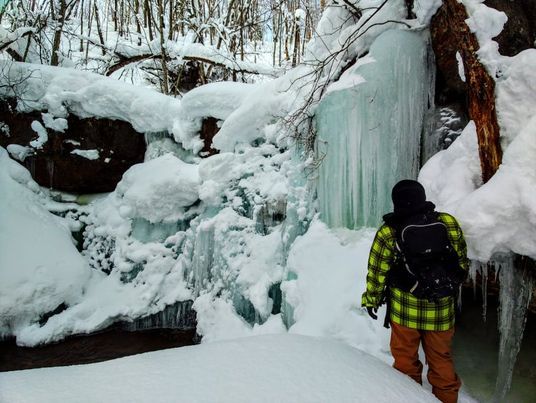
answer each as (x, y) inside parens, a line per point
(369, 135)
(298, 217)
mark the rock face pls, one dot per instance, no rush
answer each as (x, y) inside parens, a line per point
(519, 32)
(209, 129)
(451, 35)
(114, 145)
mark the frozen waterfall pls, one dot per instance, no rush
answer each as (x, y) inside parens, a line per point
(369, 129)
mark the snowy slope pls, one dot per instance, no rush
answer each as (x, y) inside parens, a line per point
(283, 368)
(40, 267)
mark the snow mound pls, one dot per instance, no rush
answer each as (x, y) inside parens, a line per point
(218, 100)
(40, 267)
(331, 269)
(282, 368)
(157, 190)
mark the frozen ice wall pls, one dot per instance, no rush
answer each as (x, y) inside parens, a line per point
(369, 127)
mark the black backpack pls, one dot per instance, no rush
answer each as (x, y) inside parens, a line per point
(426, 264)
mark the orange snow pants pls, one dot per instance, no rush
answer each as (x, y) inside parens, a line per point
(436, 345)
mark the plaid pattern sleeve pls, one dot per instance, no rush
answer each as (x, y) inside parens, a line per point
(381, 256)
(406, 309)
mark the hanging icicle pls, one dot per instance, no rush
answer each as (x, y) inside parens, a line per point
(516, 282)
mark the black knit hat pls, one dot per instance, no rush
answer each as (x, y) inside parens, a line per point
(408, 197)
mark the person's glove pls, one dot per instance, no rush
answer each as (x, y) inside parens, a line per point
(372, 312)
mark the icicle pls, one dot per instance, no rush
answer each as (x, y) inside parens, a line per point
(473, 269)
(180, 315)
(484, 277)
(516, 284)
(459, 301)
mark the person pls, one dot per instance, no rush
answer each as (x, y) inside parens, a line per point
(416, 319)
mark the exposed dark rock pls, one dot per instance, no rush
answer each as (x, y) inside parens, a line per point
(519, 32)
(209, 129)
(54, 166)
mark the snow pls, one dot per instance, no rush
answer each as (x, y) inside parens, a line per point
(41, 268)
(516, 94)
(282, 368)
(19, 152)
(61, 91)
(486, 23)
(159, 189)
(59, 124)
(461, 161)
(156, 190)
(425, 9)
(499, 215)
(328, 271)
(179, 228)
(331, 271)
(185, 48)
(351, 77)
(265, 103)
(461, 68)
(88, 154)
(42, 135)
(218, 100)
(4, 129)
(300, 14)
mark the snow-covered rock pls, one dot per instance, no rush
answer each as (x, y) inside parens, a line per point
(40, 268)
(159, 189)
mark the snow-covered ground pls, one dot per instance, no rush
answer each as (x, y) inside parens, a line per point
(211, 242)
(271, 368)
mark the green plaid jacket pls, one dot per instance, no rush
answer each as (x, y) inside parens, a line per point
(407, 310)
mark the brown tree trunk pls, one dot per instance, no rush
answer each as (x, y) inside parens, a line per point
(54, 58)
(448, 24)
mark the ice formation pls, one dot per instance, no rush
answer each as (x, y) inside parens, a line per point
(363, 152)
(514, 298)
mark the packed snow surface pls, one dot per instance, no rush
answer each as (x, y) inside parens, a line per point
(270, 368)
